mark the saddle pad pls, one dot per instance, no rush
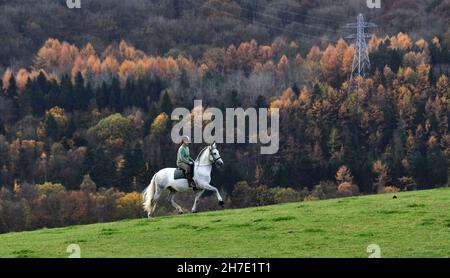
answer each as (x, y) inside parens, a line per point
(178, 174)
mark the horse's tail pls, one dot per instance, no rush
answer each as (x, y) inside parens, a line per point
(148, 194)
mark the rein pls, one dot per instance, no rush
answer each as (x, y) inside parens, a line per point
(204, 165)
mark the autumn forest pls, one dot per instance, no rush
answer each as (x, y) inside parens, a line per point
(85, 114)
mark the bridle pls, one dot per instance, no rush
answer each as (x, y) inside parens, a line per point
(213, 161)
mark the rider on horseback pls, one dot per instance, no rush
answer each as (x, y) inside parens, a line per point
(184, 161)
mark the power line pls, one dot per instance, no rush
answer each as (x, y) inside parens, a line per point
(375, 13)
(294, 32)
(277, 18)
(328, 13)
(316, 17)
(265, 25)
(294, 21)
(280, 20)
(255, 22)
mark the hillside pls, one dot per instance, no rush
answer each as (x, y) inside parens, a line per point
(191, 26)
(87, 99)
(416, 224)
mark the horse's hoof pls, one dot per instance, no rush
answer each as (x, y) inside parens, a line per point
(221, 203)
(180, 212)
(194, 211)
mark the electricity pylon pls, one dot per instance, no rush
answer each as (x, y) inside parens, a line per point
(361, 61)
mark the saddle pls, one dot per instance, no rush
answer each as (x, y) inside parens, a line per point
(180, 174)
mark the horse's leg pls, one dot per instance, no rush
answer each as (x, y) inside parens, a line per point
(155, 201)
(197, 197)
(215, 190)
(171, 199)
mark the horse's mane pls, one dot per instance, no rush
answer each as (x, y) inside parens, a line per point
(200, 153)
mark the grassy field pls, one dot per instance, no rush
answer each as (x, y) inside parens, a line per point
(416, 224)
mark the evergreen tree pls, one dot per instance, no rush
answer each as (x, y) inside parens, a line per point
(102, 96)
(82, 94)
(71, 128)
(381, 57)
(11, 91)
(42, 82)
(166, 103)
(2, 127)
(115, 96)
(155, 88)
(416, 161)
(67, 93)
(127, 91)
(89, 95)
(54, 96)
(12, 95)
(437, 167)
(134, 165)
(100, 167)
(395, 60)
(37, 91)
(261, 102)
(153, 112)
(135, 94)
(51, 127)
(38, 103)
(184, 80)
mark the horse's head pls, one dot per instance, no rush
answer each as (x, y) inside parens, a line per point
(214, 155)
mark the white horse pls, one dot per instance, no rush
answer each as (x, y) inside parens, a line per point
(164, 179)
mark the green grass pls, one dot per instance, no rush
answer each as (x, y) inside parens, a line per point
(416, 224)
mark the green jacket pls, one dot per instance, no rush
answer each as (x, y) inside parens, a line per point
(183, 155)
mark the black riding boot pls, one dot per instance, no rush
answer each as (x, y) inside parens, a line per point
(190, 179)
